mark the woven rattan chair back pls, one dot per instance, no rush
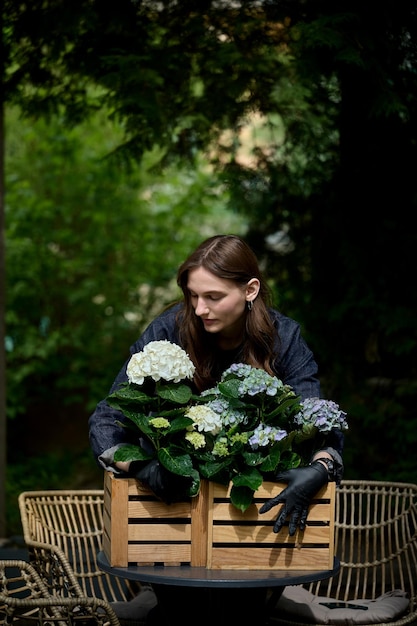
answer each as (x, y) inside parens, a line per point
(25, 599)
(72, 520)
(376, 542)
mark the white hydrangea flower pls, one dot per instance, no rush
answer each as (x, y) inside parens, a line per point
(205, 419)
(160, 360)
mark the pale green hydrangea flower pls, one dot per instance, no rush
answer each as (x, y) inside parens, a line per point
(159, 422)
(220, 447)
(239, 438)
(197, 440)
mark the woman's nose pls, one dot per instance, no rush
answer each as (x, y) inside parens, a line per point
(201, 307)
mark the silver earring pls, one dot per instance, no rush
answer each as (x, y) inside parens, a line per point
(250, 305)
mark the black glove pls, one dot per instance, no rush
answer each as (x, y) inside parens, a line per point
(167, 486)
(303, 484)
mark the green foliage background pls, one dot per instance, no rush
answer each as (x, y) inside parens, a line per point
(92, 254)
(326, 168)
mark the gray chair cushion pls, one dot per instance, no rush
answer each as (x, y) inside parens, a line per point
(298, 604)
(137, 609)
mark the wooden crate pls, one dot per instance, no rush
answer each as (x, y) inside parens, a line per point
(210, 532)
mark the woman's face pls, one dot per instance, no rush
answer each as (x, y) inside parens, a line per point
(220, 304)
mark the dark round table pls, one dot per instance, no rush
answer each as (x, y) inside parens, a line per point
(198, 596)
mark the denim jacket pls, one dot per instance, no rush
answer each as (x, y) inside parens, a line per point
(295, 366)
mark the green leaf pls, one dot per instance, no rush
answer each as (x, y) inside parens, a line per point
(250, 477)
(194, 488)
(212, 468)
(283, 408)
(141, 422)
(176, 461)
(289, 460)
(174, 392)
(241, 497)
(271, 460)
(230, 388)
(252, 459)
(222, 477)
(129, 395)
(180, 423)
(130, 452)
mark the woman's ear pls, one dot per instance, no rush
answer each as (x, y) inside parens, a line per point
(252, 289)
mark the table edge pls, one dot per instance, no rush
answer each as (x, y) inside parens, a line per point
(203, 577)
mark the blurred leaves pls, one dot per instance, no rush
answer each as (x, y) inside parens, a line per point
(92, 255)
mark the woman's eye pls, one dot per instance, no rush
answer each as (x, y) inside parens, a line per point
(213, 298)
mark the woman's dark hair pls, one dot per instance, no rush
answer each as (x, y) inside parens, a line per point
(227, 257)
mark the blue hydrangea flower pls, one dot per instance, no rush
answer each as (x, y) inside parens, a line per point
(264, 435)
(228, 415)
(324, 414)
(254, 380)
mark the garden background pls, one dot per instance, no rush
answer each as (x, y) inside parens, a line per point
(130, 133)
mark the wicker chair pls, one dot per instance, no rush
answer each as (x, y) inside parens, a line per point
(25, 599)
(63, 528)
(376, 542)
(73, 521)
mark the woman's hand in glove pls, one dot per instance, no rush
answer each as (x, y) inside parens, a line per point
(303, 484)
(167, 486)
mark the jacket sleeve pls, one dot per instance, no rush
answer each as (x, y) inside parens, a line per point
(295, 364)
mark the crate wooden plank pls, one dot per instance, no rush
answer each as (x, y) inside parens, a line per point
(225, 511)
(200, 525)
(262, 534)
(267, 490)
(116, 523)
(267, 558)
(159, 532)
(145, 509)
(168, 554)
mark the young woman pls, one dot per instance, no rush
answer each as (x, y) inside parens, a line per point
(225, 317)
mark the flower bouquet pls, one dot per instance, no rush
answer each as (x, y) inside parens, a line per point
(243, 431)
